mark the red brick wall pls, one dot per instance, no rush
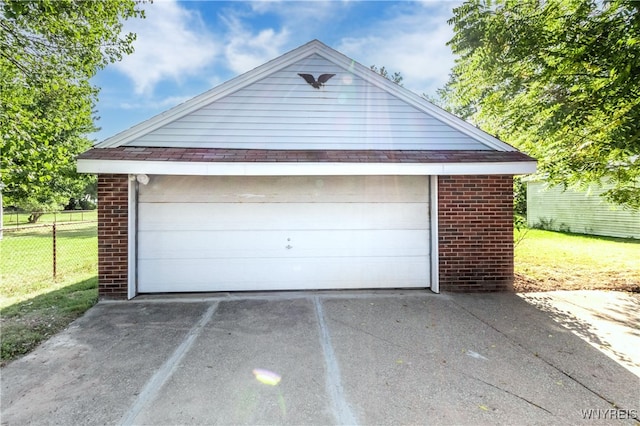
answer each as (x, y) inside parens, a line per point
(113, 200)
(475, 232)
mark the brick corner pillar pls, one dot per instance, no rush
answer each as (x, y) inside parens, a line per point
(475, 232)
(113, 215)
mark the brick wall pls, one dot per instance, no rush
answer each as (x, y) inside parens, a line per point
(113, 196)
(475, 225)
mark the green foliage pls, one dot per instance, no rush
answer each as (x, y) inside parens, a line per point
(558, 79)
(545, 224)
(520, 229)
(519, 197)
(396, 77)
(49, 50)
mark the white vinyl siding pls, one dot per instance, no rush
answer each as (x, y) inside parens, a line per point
(583, 212)
(280, 233)
(282, 111)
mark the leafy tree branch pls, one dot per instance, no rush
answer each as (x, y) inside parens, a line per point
(557, 79)
(49, 50)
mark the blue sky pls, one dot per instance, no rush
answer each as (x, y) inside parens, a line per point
(184, 48)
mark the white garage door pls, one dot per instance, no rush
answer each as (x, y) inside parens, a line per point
(220, 233)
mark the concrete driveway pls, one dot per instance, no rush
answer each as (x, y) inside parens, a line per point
(386, 357)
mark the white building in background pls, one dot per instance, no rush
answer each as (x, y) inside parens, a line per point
(579, 211)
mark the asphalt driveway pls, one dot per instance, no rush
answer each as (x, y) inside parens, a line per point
(386, 357)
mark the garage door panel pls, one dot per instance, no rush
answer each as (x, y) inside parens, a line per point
(278, 233)
(285, 189)
(238, 216)
(283, 274)
(275, 244)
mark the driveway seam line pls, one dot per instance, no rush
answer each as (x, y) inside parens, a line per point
(341, 409)
(155, 383)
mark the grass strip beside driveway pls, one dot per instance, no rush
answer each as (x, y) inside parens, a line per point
(28, 323)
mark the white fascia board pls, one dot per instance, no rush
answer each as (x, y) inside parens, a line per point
(302, 169)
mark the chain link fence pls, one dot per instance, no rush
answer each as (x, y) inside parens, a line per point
(40, 253)
(18, 219)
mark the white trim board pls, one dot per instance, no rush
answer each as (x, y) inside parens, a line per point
(301, 169)
(132, 237)
(433, 232)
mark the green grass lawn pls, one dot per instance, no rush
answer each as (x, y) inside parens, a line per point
(21, 219)
(34, 305)
(26, 258)
(549, 260)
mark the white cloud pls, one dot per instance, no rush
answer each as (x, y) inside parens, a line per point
(159, 104)
(291, 23)
(304, 15)
(246, 49)
(307, 20)
(412, 43)
(172, 43)
(405, 37)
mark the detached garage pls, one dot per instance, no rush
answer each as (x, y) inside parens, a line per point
(308, 172)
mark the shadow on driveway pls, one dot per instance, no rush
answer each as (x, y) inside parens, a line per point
(608, 320)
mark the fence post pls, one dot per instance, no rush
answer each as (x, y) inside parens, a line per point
(53, 227)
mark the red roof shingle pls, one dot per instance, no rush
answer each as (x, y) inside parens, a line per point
(213, 155)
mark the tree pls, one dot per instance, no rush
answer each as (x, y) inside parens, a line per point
(558, 79)
(396, 77)
(49, 50)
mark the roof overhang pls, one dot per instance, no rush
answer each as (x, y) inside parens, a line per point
(243, 162)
